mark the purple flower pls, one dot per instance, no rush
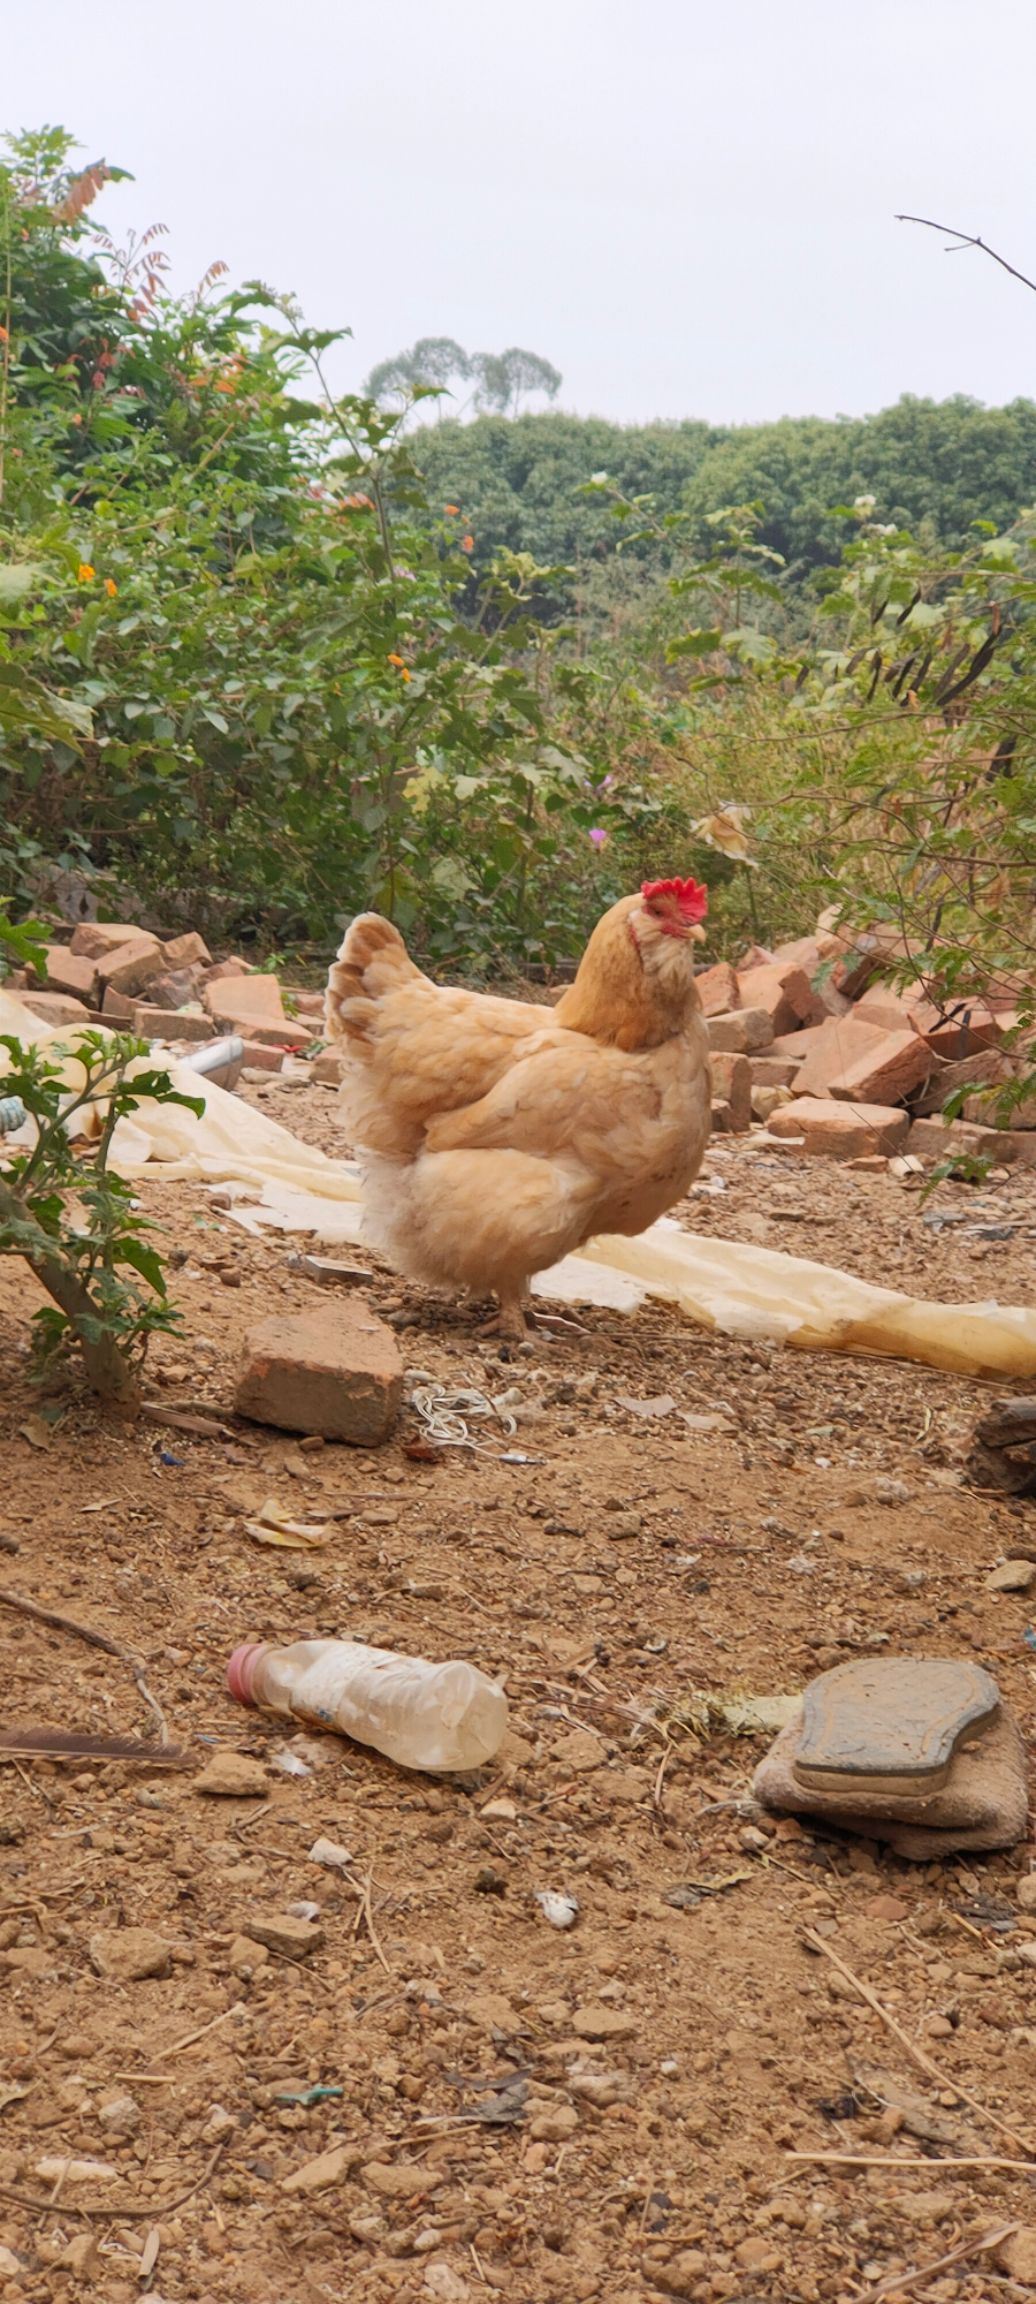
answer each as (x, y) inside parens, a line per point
(598, 837)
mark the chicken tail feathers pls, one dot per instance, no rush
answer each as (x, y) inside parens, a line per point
(373, 959)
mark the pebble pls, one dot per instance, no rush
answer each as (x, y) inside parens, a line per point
(1017, 2255)
(556, 2126)
(579, 1750)
(128, 1955)
(926, 2207)
(282, 1932)
(1012, 1576)
(245, 1955)
(331, 2167)
(594, 2021)
(442, 2282)
(121, 2115)
(886, 1908)
(757, 2256)
(395, 2180)
(680, 2276)
(1025, 1892)
(232, 1776)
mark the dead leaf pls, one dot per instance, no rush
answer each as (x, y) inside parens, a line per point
(662, 1405)
(149, 2253)
(12, 2091)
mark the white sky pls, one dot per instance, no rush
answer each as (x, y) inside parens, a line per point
(687, 205)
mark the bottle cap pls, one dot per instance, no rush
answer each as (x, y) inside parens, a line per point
(241, 1670)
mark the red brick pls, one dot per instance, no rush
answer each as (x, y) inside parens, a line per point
(305, 1003)
(966, 1034)
(69, 971)
(55, 1007)
(939, 1139)
(988, 1066)
(328, 1068)
(781, 991)
(244, 999)
(732, 1088)
(287, 1032)
(221, 969)
(259, 1058)
(188, 951)
(117, 1007)
(130, 967)
(718, 989)
(892, 1010)
(95, 939)
(171, 1023)
(832, 1048)
(741, 1032)
(336, 1371)
(836, 1131)
(773, 1071)
(887, 1074)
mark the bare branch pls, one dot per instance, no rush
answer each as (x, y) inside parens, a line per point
(969, 240)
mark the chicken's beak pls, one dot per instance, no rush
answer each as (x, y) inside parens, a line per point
(696, 934)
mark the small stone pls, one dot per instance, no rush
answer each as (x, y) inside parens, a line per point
(757, 2256)
(11, 2266)
(891, 1492)
(80, 2255)
(1012, 1576)
(232, 1776)
(499, 1812)
(246, 1955)
(927, 2207)
(594, 2021)
(1017, 2255)
(556, 2126)
(328, 1068)
(580, 1750)
(331, 2167)
(395, 2180)
(680, 2276)
(61, 2168)
(281, 1932)
(442, 2282)
(27, 1960)
(128, 1955)
(335, 1370)
(220, 2125)
(888, 1908)
(938, 2028)
(120, 2115)
(1025, 1892)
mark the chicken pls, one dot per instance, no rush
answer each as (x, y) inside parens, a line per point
(496, 1135)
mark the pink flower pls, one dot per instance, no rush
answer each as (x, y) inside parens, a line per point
(598, 837)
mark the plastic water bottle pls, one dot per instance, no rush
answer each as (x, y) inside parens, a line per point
(438, 1717)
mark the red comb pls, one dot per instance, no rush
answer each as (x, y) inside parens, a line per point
(691, 895)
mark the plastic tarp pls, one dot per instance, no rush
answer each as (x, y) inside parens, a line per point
(738, 1288)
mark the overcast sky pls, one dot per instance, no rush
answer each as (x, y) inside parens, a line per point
(687, 205)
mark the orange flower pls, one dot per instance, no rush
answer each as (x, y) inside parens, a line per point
(110, 587)
(454, 511)
(396, 660)
(467, 543)
(4, 337)
(86, 574)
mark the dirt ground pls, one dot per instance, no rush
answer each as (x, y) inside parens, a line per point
(654, 2070)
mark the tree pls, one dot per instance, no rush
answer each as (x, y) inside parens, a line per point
(502, 380)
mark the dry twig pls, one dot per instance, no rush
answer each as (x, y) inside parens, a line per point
(898, 2282)
(919, 2056)
(109, 2210)
(56, 1623)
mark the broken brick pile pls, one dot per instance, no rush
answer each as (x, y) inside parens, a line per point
(810, 1040)
(121, 975)
(813, 1042)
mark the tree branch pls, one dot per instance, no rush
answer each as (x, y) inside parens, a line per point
(969, 240)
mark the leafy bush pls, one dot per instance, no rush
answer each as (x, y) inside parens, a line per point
(72, 1219)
